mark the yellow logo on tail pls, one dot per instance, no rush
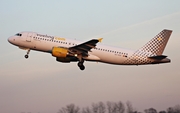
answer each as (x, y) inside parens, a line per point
(159, 39)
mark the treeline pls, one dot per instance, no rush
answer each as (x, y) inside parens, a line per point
(113, 107)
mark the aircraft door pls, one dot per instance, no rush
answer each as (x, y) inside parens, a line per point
(29, 37)
(30, 41)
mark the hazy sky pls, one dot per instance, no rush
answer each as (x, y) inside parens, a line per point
(40, 84)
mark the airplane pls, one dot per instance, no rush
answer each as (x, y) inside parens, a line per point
(68, 50)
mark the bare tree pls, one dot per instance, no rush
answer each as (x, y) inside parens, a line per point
(129, 107)
(150, 110)
(175, 109)
(86, 110)
(99, 108)
(70, 109)
(62, 110)
(95, 108)
(120, 107)
(102, 107)
(115, 107)
(162, 111)
(136, 111)
(170, 110)
(109, 107)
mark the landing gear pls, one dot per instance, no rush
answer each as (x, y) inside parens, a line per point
(81, 66)
(80, 63)
(27, 55)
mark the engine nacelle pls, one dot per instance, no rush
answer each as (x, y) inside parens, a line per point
(64, 60)
(59, 52)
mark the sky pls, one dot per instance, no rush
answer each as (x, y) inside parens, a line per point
(40, 84)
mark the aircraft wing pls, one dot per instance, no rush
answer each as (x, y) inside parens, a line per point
(84, 47)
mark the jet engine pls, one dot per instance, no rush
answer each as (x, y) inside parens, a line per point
(59, 52)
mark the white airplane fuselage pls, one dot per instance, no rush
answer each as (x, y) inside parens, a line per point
(100, 53)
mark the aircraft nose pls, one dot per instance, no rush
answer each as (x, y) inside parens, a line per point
(10, 39)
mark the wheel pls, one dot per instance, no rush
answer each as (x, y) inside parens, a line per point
(82, 67)
(26, 56)
(79, 64)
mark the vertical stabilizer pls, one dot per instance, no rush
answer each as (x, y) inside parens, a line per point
(158, 43)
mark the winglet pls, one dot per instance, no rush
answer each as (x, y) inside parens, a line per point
(100, 39)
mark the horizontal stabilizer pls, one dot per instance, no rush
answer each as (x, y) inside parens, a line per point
(159, 57)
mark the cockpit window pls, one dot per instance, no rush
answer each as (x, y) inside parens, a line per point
(18, 34)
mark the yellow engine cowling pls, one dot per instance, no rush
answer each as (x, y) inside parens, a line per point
(59, 52)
